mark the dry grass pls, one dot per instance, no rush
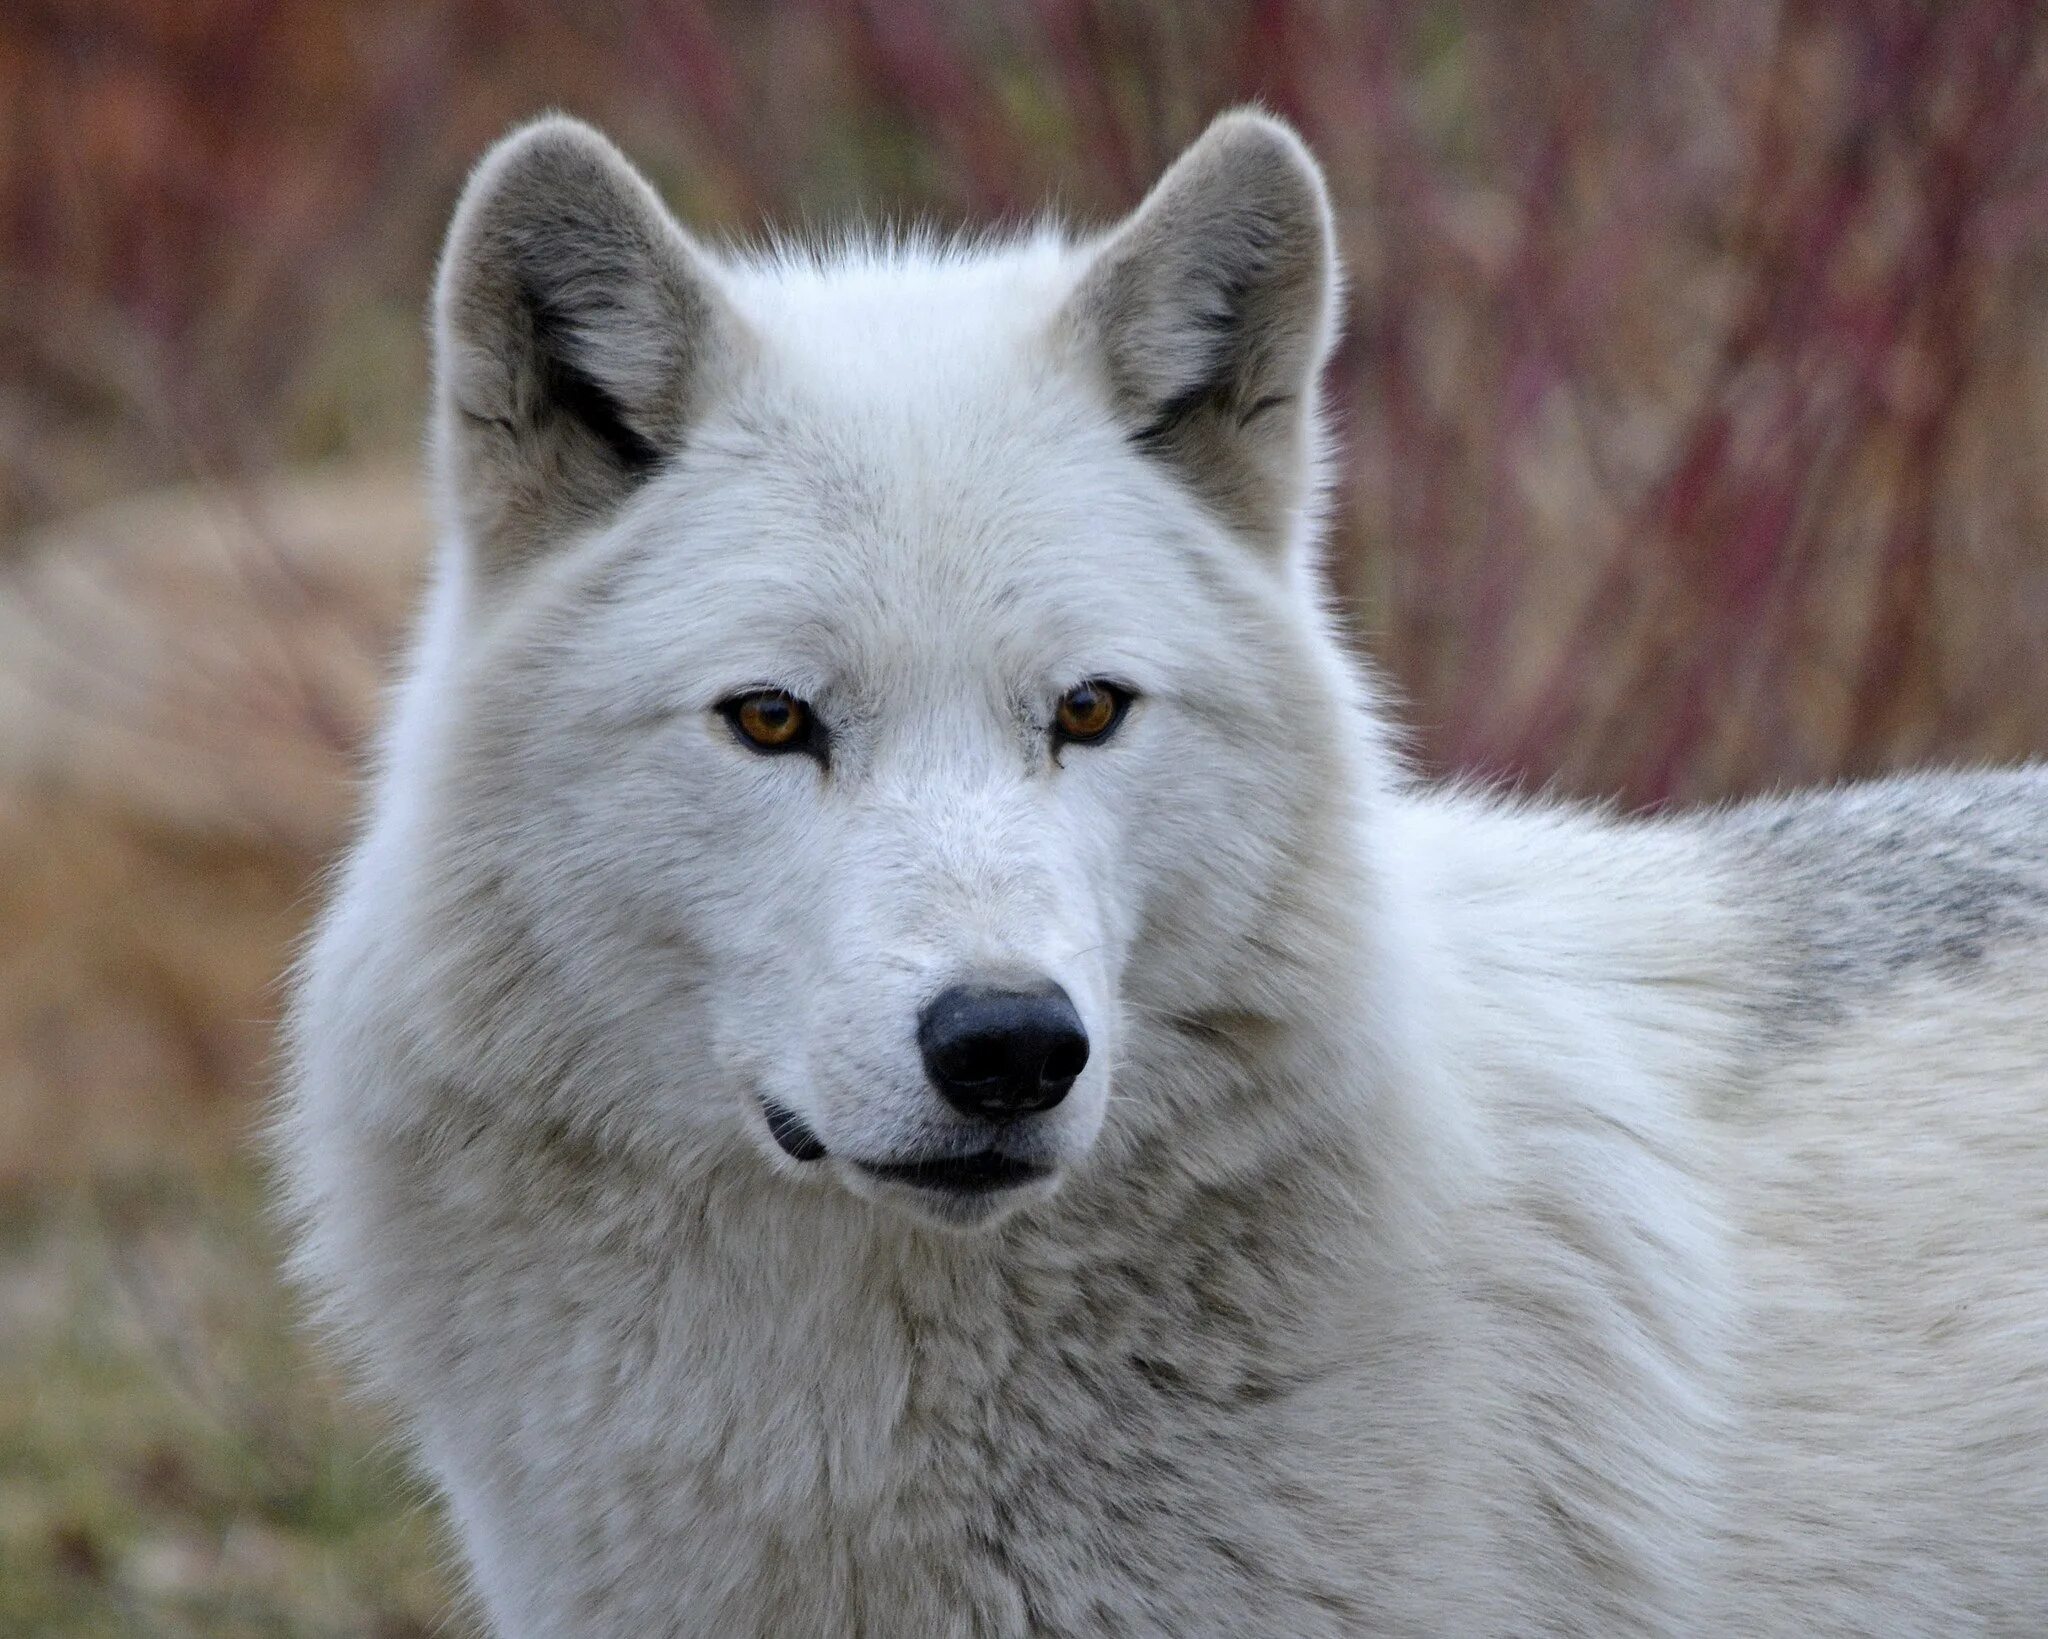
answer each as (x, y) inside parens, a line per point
(172, 1460)
(184, 681)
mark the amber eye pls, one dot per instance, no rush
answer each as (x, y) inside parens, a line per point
(1090, 711)
(770, 720)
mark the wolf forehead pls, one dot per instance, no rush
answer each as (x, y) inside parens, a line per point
(880, 463)
(933, 452)
(915, 392)
(827, 580)
(885, 316)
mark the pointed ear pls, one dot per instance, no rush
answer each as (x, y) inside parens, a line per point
(577, 335)
(1210, 312)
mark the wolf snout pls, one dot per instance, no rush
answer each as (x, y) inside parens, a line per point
(1002, 1054)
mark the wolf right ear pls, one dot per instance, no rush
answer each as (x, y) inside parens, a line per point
(577, 333)
(1210, 313)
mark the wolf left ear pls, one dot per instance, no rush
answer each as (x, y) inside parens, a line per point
(578, 333)
(1211, 311)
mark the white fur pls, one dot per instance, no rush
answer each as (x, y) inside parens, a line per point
(1475, 1217)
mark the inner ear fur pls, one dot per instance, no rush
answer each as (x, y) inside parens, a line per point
(578, 334)
(1210, 312)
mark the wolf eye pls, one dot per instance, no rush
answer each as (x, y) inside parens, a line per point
(770, 720)
(1090, 711)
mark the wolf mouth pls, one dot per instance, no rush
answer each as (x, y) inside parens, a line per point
(982, 1172)
(960, 1174)
(790, 1130)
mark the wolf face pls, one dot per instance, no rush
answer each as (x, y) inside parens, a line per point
(863, 662)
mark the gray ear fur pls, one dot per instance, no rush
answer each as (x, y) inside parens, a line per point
(1211, 311)
(578, 332)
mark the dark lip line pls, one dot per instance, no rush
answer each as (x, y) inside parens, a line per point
(983, 1170)
(792, 1133)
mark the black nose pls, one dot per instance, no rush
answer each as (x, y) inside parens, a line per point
(1002, 1053)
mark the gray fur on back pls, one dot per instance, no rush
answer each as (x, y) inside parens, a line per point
(1867, 885)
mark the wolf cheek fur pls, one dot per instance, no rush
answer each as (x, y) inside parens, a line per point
(1470, 1217)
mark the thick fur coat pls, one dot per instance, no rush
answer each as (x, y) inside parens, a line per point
(1473, 1217)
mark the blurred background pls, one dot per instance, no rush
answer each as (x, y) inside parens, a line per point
(1696, 408)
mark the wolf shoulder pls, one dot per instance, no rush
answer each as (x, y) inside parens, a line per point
(1761, 931)
(1892, 893)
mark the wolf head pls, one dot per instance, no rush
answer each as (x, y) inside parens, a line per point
(879, 691)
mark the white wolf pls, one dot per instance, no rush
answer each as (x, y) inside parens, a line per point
(899, 1056)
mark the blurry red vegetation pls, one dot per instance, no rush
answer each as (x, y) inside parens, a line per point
(1695, 388)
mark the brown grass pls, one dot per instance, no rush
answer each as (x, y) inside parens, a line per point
(172, 1460)
(185, 680)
